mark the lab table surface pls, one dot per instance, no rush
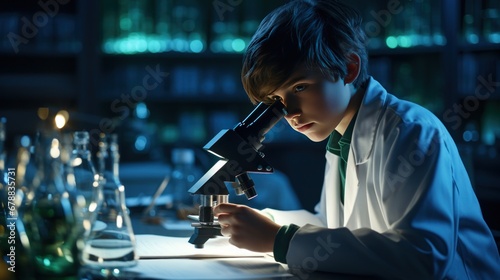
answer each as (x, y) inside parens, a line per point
(209, 268)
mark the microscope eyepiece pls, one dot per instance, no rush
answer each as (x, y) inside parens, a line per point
(259, 122)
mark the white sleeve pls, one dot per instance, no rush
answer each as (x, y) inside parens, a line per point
(298, 217)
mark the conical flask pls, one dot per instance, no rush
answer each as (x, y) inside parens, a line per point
(86, 177)
(51, 218)
(111, 242)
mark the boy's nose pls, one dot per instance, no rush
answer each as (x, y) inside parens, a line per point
(292, 108)
(292, 114)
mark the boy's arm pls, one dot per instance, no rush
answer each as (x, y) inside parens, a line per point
(357, 252)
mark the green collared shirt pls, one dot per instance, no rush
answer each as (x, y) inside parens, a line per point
(339, 145)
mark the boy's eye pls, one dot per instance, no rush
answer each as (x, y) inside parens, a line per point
(300, 88)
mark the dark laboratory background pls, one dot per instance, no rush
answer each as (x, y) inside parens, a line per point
(165, 74)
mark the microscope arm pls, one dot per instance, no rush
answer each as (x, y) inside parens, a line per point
(239, 152)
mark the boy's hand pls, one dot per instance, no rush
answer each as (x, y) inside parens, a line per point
(246, 227)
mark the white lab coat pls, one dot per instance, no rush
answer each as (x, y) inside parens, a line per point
(410, 211)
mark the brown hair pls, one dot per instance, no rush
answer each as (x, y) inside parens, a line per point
(318, 33)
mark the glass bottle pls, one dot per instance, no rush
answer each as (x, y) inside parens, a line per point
(51, 217)
(111, 242)
(86, 178)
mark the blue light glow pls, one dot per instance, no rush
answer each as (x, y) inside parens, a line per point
(196, 46)
(391, 42)
(154, 46)
(404, 41)
(227, 45)
(238, 45)
(140, 143)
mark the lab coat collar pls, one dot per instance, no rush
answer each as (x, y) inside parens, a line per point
(369, 114)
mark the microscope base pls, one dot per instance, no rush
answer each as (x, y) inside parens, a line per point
(202, 233)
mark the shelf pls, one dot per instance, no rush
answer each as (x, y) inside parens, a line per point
(481, 47)
(41, 53)
(175, 56)
(38, 86)
(164, 97)
(61, 65)
(420, 50)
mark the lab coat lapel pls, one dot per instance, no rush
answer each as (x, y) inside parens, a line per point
(363, 137)
(351, 191)
(332, 192)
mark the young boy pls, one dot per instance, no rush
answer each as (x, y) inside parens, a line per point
(396, 200)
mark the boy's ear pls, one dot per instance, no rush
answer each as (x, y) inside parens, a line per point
(353, 68)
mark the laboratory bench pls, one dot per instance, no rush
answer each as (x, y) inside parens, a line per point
(215, 267)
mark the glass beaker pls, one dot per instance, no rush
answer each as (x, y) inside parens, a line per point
(111, 242)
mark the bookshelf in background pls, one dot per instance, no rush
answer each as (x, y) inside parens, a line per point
(89, 54)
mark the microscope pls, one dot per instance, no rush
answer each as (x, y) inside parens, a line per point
(239, 152)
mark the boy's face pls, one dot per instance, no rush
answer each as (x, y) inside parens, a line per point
(315, 104)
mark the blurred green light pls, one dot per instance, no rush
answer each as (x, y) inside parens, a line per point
(489, 138)
(116, 46)
(127, 46)
(179, 45)
(404, 41)
(473, 38)
(154, 46)
(196, 46)
(440, 39)
(238, 45)
(141, 45)
(391, 42)
(227, 45)
(109, 47)
(125, 23)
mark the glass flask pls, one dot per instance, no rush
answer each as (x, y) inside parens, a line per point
(51, 216)
(86, 178)
(111, 242)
